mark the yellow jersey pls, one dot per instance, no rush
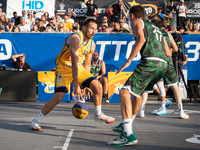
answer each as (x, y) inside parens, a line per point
(63, 61)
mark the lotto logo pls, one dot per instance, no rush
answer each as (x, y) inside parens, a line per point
(5, 49)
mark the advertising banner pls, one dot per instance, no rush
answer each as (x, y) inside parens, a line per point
(193, 9)
(80, 8)
(41, 50)
(40, 6)
(46, 85)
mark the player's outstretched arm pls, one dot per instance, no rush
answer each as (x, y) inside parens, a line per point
(173, 43)
(137, 28)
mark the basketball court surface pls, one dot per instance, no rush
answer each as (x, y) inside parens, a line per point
(62, 131)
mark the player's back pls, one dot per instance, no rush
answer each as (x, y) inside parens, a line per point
(154, 45)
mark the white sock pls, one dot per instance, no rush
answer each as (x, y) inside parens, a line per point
(39, 117)
(98, 110)
(180, 107)
(133, 118)
(128, 126)
(163, 104)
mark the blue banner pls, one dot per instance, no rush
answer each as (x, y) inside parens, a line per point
(41, 50)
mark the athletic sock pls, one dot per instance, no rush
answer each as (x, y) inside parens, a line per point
(163, 104)
(133, 118)
(180, 107)
(39, 117)
(98, 110)
(128, 126)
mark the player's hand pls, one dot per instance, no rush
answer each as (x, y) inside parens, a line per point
(97, 77)
(124, 66)
(86, 92)
(77, 92)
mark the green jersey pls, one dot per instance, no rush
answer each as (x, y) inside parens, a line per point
(169, 43)
(95, 69)
(154, 45)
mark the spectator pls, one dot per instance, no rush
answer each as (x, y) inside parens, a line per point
(44, 20)
(99, 29)
(3, 20)
(74, 29)
(194, 29)
(70, 18)
(16, 29)
(21, 64)
(98, 69)
(121, 22)
(3, 14)
(115, 14)
(181, 30)
(2, 29)
(9, 27)
(198, 25)
(57, 20)
(186, 26)
(116, 27)
(68, 25)
(49, 29)
(171, 7)
(16, 19)
(35, 28)
(24, 27)
(41, 27)
(181, 10)
(76, 24)
(92, 9)
(105, 20)
(35, 16)
(24, 14)
(52, 18)
(72, 15)
(190, 26)
(168, 28)
(52, 25)
(30, 20)
(57, 15)
(106, 29)
(46, 15)
(61, 28)
(161, 14)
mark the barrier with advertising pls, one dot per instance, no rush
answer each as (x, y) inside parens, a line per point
(46, 85)
(42, 49)
(115, 83)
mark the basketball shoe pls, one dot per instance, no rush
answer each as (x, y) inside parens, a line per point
(183, 115)
(140, 114)
(119, 128)
(167, 103)
(161, 111)
(34, 125)
(103, 117)
(124, 140)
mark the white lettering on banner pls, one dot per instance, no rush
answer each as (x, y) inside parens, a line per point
(5, 49)
(194, 51)
(102, 48)
(118, 48)
(148, 10)
(32, 5)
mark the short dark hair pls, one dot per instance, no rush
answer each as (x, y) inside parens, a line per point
(138, 11)
(96, 52)
(88, 21)
(14, 12)
(157, 22)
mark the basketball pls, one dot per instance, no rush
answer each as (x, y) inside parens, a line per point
(80, 110)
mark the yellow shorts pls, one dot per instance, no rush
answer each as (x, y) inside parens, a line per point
(64, 77)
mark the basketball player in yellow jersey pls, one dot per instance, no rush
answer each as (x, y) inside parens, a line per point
(69, 67)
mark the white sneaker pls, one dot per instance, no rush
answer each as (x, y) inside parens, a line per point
(34, 125)
(183, 115)
(161, 111)
(82, 100)
(140, 114)
(107, 119)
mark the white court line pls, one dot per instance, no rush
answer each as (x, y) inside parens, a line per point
(66, 144)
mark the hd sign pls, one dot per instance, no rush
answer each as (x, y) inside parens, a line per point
(40, 6)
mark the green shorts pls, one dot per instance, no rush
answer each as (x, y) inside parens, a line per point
(146, 74)
(170, 78)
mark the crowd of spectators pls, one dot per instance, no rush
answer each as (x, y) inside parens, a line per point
(116, 23)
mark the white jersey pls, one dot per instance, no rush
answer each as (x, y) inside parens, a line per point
(181, 8)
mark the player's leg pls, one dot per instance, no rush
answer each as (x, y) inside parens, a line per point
(170, 79)
(88, 80)
(104, 82)
(141, 111)
(177, 95)
(62, 82)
